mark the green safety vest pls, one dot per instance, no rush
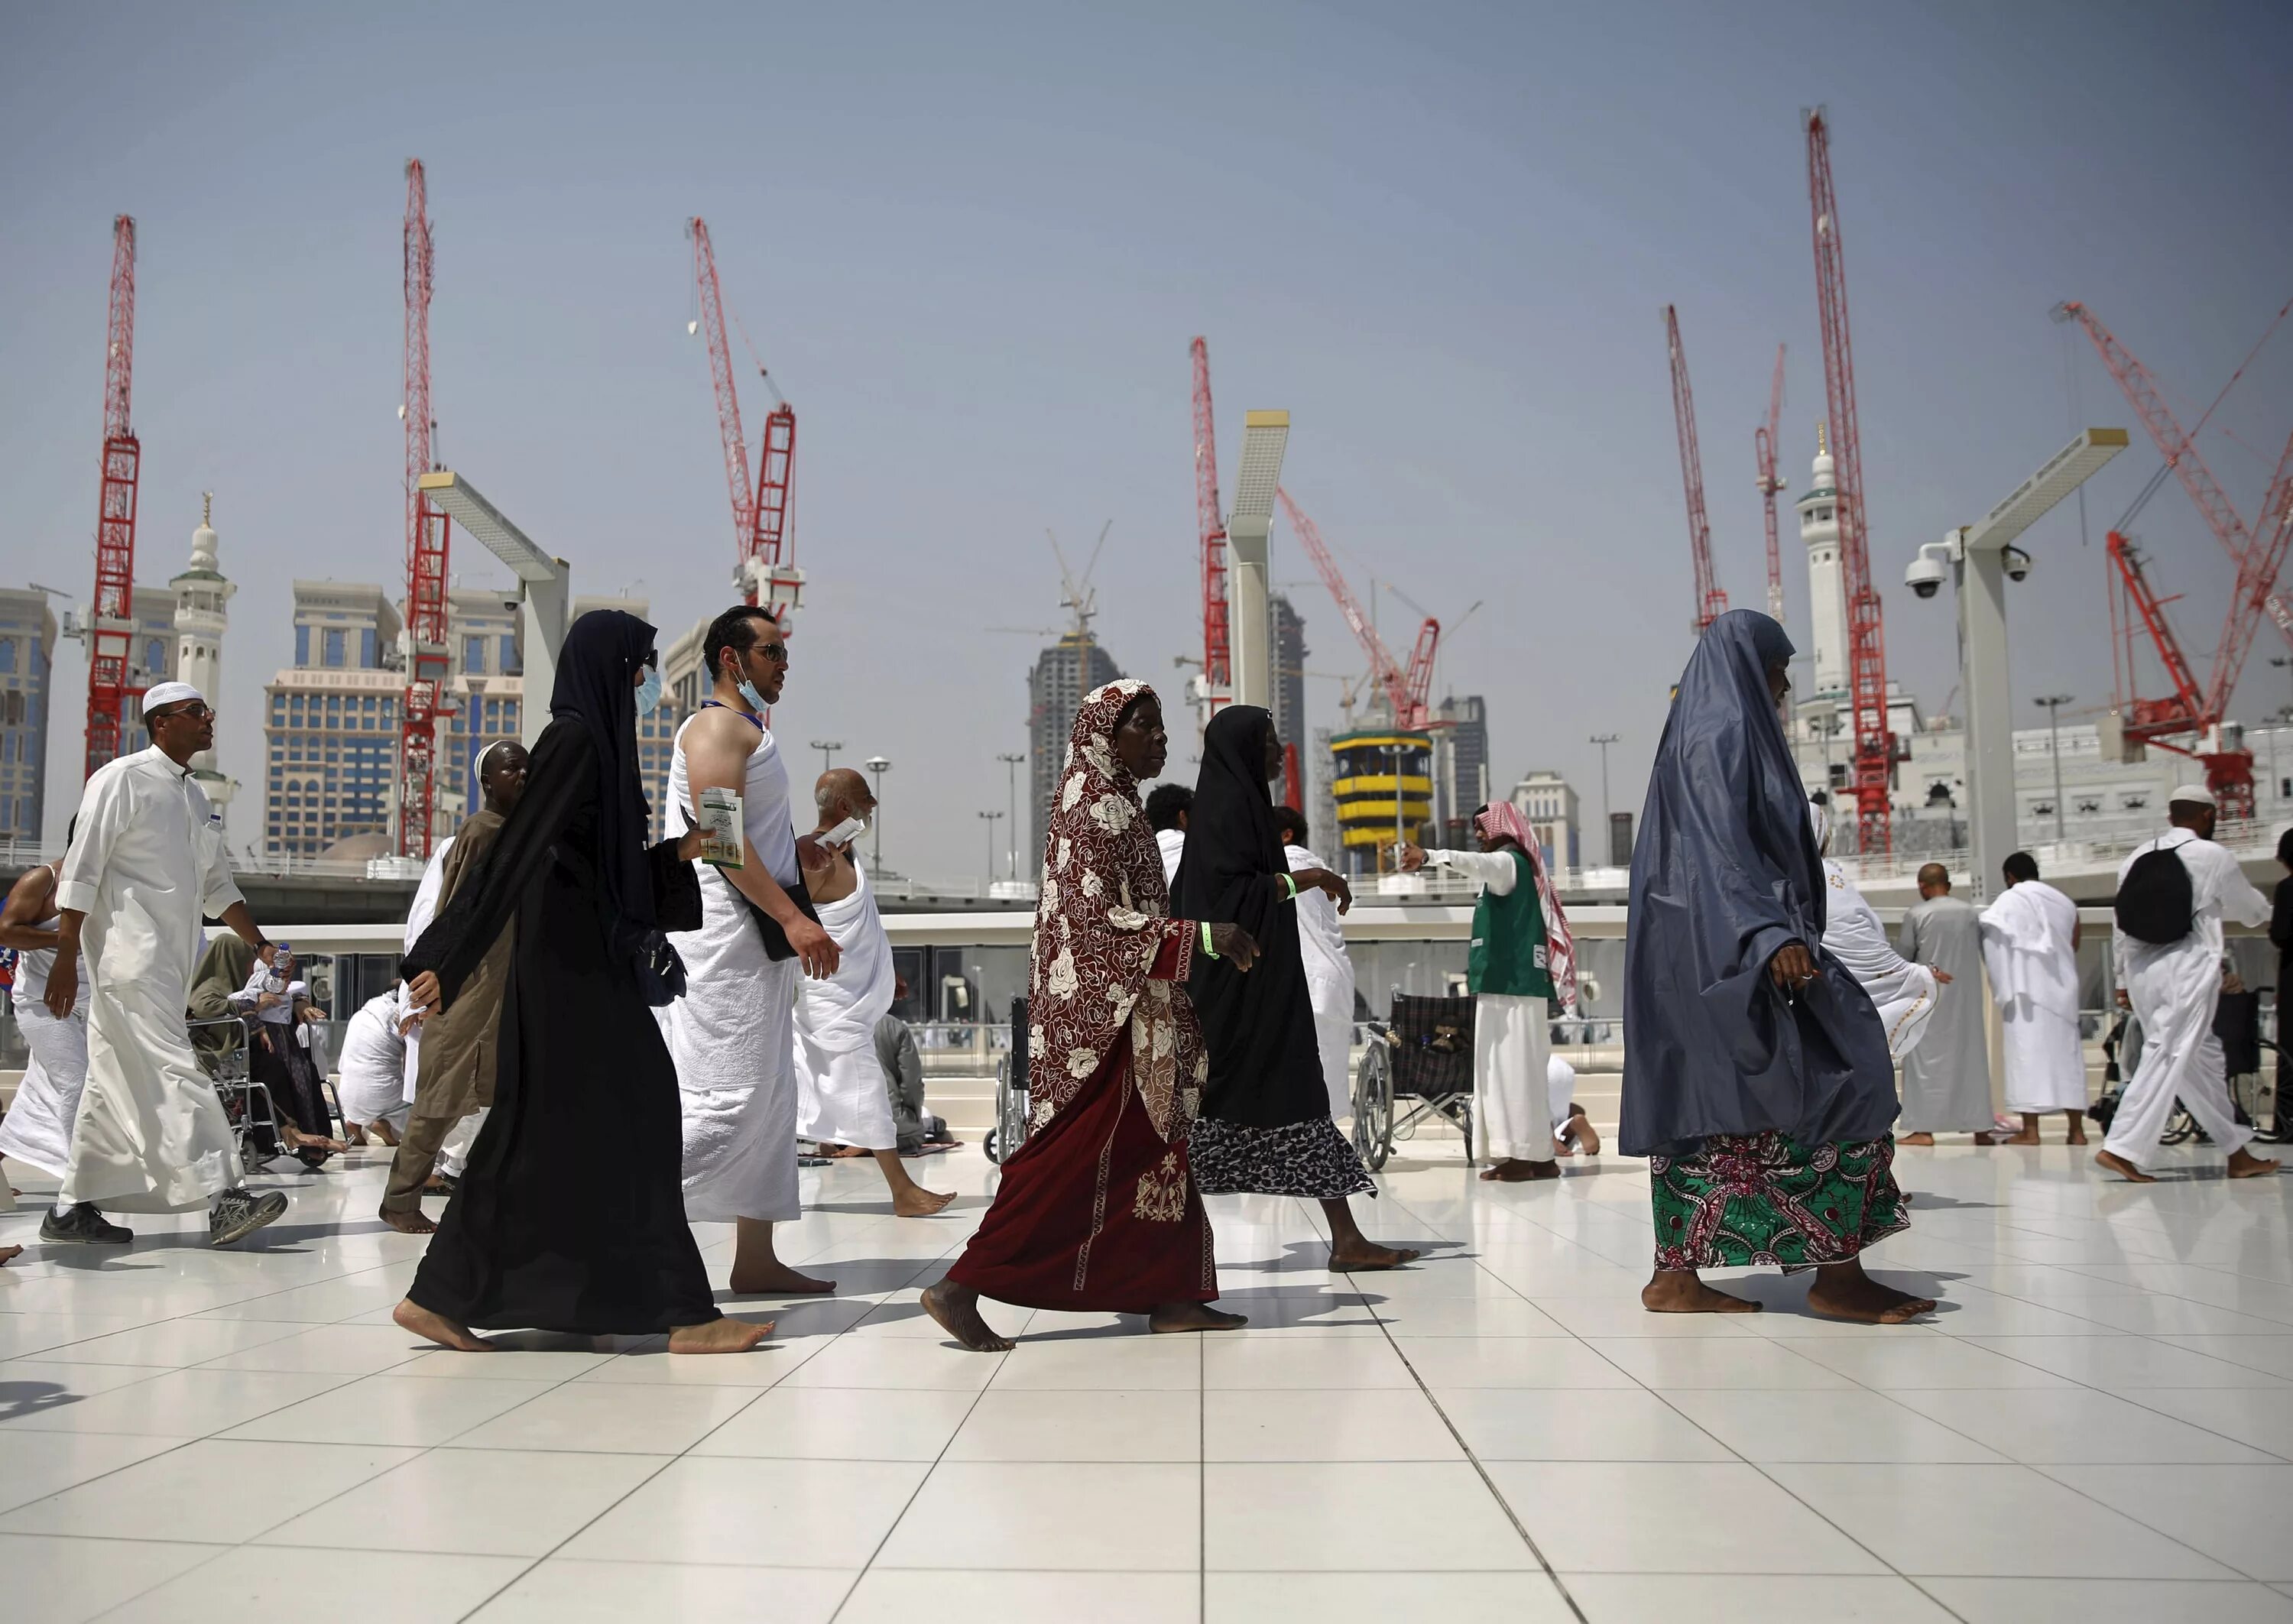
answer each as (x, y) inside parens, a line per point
(1509, 951)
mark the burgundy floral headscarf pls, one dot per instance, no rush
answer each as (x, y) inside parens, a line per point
(1103, 920)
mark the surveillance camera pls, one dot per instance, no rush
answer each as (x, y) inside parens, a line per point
(1926, 574)
(2018, 564)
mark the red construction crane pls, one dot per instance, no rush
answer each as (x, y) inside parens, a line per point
(1763, 449)
(1711, 603)
(1210, 524)
(1867, 643)
(111, 678)
(1407, 691)
(426, 665)
(2180, 450)
(763, 518)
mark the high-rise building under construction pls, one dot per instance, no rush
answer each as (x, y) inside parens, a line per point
(1064, 673)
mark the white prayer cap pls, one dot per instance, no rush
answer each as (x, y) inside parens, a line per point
(478, 767)
(161, 694)
(2194, 795)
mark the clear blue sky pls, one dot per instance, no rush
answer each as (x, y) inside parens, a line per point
(973, 241)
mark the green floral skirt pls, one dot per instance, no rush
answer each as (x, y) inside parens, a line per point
(1741, 1202)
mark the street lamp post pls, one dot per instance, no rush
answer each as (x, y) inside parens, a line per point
(828, 747)
(2053, 702)
(1011, 770)
(991, 819)
(877, 766)
(1607, 829)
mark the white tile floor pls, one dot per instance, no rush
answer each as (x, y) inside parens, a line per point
(2099, 1426)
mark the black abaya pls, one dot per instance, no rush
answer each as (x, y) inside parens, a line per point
(1265, 1125)
(570, 1216)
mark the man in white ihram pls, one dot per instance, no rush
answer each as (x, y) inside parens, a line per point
(2169, 975)
(732, 1033)
(1903, 992)
(2031, 941)
(840, 1096)
(1329, 970)
(146, 867)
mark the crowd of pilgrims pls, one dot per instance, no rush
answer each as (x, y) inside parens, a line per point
(607, 1038)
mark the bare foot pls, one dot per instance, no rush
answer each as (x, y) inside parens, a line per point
(2111, 1161)
(842, 1152)
(1991, 1139)
(357, 1138)
(408, 1223)
(1513, 1170)
(1855, 1296)
(387, 1133)
(777, 1279)
(1915, 1139)
(917, 1202)
(1684, 1291)
(2078, 1136)
(2244, 1164)
(2029, 1136)
(8, 1252)
(722, 1335)
(1581, 1133)
(1361, 1256)
(412, 1316)
(957, 1310)
(1192, 1316)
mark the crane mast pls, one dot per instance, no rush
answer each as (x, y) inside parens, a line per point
(111, 677)
(1216, 681)
(1867, 643)
(763, 542)
(1711, 603)
(1763, 451)
(424, 645)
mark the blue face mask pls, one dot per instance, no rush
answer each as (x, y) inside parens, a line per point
(756, 700)
(649, 690)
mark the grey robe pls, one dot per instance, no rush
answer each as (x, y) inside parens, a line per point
(1947, 1078)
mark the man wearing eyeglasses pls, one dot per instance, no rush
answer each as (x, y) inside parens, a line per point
(146, 869)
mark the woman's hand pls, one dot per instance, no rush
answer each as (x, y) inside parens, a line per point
(1793, 967)
(1233, 943)
(423, 993)
(689, 847)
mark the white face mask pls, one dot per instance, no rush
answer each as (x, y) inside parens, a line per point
(756, 700)
(649, 690)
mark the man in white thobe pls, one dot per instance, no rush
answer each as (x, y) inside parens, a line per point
(371, 1076)
(1573, 1132)
(1510, 969)
(1905, 993)
(2030, 940)
(2172, 987)
(1947, 1078)
(841, 1100)
(146, 867)
(1167, 806)
(1329, 969)
(731, 1034)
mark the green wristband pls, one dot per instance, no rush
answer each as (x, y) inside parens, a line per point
(1291, 880)
(1208, 951)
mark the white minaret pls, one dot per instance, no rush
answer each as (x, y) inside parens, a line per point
(202, 615)
(1826, 589)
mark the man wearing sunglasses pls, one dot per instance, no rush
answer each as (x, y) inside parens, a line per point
(146, 867)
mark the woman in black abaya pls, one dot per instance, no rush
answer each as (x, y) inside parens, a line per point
(1265, 1126)
(571, 1215)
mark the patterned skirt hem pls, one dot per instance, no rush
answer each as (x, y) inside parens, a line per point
(1310, 1159)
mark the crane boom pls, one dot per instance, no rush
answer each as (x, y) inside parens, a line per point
(426, 549)
(1866, 644)
(111, 624)
(1406, 691)
(1711, 603)
(720, 373)
(1764, 450)
(763, 541)
(1210, 524)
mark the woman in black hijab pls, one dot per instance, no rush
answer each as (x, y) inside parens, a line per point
(1757, 1080)
(571, 1215)
(1265, 1126)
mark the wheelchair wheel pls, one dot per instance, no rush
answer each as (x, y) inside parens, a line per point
(1010, 1116)
(1374, 1104)
(2180, 1127)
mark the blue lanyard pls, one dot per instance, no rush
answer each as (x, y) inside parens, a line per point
(744, 715)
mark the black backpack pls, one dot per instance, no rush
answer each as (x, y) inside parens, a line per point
(2155, 903)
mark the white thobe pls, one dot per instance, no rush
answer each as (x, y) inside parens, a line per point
(1904, 992)
(37, 1129)
(840, 1093)
(2173, 990)
(373, 1061)
(732, 1033)
(2026, 943)
(1512, 1043)
(417, 920)
(1559, 1091)
(1329, 984)
(146, 866)
(1172, 845)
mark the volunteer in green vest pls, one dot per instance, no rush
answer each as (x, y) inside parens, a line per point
(1522, 957)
